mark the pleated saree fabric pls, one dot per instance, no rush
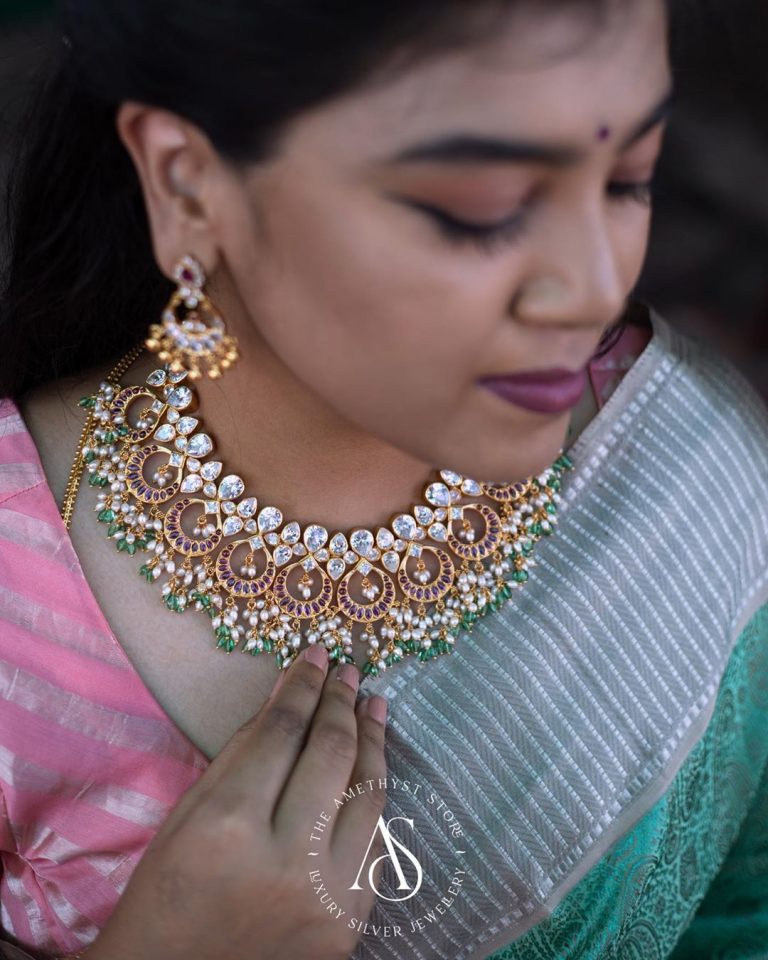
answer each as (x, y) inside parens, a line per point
(592, 758)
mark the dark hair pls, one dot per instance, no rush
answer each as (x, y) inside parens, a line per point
(81, 284)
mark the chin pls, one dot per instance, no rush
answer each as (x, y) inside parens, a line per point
(517, 456)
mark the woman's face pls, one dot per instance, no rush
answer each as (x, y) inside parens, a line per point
(349, 257)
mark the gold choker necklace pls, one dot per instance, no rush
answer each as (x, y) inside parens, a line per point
(406, 589)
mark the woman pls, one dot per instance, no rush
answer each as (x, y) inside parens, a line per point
(407, 217)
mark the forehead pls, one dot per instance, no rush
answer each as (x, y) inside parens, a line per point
(556, 74)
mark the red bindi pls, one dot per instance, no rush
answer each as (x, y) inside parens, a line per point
(603, 133)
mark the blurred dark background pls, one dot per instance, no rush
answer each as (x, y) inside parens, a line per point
(707, 269)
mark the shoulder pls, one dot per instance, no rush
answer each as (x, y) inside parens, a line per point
(710, 426)
(51, 626)
(32, 533)
(20, 468)
(724, 408)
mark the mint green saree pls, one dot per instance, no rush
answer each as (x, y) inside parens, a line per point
(690, 880)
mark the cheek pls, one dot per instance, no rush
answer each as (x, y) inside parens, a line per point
(386, 329)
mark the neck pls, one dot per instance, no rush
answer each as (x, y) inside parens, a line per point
(292, 450)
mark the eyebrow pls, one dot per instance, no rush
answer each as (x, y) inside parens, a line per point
(469, 148)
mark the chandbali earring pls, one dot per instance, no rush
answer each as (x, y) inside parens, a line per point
(192, 332)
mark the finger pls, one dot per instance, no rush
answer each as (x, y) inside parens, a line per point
(225, 761)
(268, 745)
(278, 683)
(358, 817)
(322, 771)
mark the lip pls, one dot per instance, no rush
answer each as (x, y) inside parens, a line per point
(544, 391)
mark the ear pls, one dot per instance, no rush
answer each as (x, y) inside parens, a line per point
(176, 164)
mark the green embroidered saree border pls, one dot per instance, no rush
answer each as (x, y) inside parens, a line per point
(689, 881)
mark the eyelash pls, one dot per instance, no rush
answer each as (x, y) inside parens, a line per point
(639, 192)
(489, 238)
(486, 238)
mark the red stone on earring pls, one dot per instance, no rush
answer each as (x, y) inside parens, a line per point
(188, 271)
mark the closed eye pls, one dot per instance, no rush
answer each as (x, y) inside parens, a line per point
(490, 236)
(485, 235)
(640, 191)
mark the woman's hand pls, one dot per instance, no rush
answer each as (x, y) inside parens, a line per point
(227, 875)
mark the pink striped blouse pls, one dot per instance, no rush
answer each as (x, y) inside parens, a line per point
(90, 764)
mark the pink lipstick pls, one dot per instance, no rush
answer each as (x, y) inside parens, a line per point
(545, 391)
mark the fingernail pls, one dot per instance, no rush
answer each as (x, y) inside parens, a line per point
(317, 654)
(349, 674)
(377, 708)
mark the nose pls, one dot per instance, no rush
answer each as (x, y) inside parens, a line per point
(575, 276)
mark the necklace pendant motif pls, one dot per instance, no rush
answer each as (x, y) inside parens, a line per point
(243, 585)
(309, 605)
(181, 541)
(426, 588)
(408, 590)
(373, 610)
